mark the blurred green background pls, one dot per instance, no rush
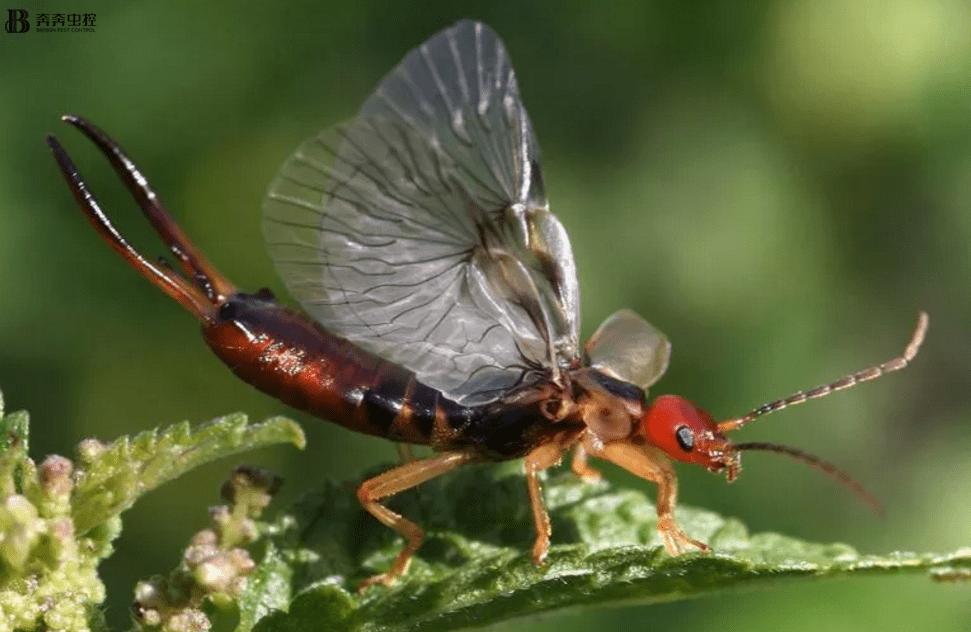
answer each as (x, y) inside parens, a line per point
(779, 186)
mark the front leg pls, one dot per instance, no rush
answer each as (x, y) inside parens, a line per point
(650, 464)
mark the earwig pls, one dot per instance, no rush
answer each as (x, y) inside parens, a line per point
(471, 348)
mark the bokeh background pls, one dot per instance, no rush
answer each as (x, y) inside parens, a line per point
(779, 186)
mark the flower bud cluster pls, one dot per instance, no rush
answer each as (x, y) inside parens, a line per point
(48, 576)
(214, 567)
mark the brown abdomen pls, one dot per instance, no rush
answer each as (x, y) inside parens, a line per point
(284, 354)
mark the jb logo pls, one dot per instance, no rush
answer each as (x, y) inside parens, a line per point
(16, 21)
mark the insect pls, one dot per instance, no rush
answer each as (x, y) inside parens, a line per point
(440, 299)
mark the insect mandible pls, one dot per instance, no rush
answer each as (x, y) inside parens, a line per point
(440, 299)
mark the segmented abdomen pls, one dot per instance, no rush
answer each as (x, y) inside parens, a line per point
(285, 355)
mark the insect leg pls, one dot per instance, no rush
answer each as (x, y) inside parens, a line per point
(581, 466)
(536, 461)
(406, 476)
(545, 456)
(650, 464)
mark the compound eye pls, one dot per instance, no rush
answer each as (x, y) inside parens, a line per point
(686, 439)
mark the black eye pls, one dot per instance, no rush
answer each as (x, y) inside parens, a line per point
(685, 438)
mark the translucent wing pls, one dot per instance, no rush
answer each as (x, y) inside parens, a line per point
(629, 348)
(421, 230)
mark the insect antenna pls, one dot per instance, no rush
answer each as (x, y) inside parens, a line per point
(850, 380)
(814, 461)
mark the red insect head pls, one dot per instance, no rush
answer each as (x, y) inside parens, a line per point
(687, 433)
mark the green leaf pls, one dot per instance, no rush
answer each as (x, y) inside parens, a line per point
(14, 464)
(475, 568)
(13, 430)
(113, 476)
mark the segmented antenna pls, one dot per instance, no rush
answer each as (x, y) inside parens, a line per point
(853, 379)
(814, 461)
